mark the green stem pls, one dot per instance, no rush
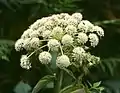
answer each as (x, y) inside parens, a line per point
(61, 49)
(36, 50)
(58, 84)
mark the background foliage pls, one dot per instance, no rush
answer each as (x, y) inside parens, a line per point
(17, 15)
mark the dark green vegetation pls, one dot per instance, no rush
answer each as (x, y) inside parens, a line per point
(17, 15)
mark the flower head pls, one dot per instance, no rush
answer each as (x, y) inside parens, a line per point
(38, 23)
(78, 50)
(49, 25)
(53, 44)
(63, 61)
(46, 34)
(27, 45)
(26, 33)
(79, 54)
(35, 43)
(94, 40)
(62, 23)
(72, 21)
(34, 34)
(98, 30)
(71, 30)
(25, 62)
(67, 40)
(77, 16)
(19, 44)
(41, 30)
(64, 34)
(64, 16)
(85, 26)
(57, 33)
(45, 57)
(82, 38)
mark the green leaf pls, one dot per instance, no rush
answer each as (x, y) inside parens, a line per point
(79, 91)
(6, 47)
(22, 87)
(101, 88)
(89, 84)
(50, 85)
(108, 65)
(69, 89)
(116, 22)
(43, 82)
(97, 84)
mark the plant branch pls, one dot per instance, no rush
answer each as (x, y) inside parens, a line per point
(36, 50)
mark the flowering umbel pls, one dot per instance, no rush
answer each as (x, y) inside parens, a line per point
(67, 35)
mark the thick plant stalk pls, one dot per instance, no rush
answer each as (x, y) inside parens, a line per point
(58, 82)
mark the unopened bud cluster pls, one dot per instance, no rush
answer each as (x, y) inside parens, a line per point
(59, 32)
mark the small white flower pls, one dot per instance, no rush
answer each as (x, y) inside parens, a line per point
(49, 25)
(35, 25)
(71, 30)
(53, 44)
(25, 62)
(89, 24)
(62, 23)
(57, 33)
(46, 34)
(77, 16)
(72, 21)
(94, 40)
(67, 40)
(85, 26)
(67, 17)
(55, 19)
(26, 33)
(41, 30)
(82, 27)
(79, 54)
(19, 44)
(45, 57)
(35, 43)
(82, 38)
(43, 21)
(99, 30)
(63, 61)
(64, 16)
(34, 34)
(27, 45)
(78, 50)
(38, 23)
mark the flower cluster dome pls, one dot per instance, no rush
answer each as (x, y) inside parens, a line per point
(65, 34)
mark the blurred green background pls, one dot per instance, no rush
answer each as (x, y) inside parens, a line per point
(17, 15)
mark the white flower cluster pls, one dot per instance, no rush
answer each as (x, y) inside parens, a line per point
(53, 44)
(45, 57)
(67, 40)
(93, 39)
(59, 32)
(25, 62)
(78, 54)
(63, 61)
